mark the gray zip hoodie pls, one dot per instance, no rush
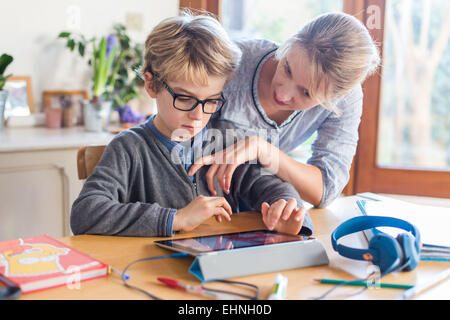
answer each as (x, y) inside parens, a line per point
(138, 185)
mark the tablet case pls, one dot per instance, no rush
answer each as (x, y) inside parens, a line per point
(247, 261)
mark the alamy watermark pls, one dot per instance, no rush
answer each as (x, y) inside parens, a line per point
(73, 282)
(373, 20)
(373, 279)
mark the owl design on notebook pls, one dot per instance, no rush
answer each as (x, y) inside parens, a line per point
(31, 259)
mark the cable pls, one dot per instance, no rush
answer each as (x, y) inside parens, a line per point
(255, 297)
(182, 255)
(388, 271)
(123, 276)
(342, 284)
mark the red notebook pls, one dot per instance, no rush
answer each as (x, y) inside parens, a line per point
(41, 262)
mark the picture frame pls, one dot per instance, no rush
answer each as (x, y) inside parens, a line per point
(20, 96)
(63, 99)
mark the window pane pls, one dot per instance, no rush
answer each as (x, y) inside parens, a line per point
(276, 21)
(415, 111)
(269, 19)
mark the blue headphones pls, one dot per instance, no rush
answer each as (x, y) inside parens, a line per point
(388, 253)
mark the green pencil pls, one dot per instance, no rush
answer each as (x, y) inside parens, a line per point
(360, 283)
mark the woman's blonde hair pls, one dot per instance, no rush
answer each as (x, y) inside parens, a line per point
(190, 48)
(341, 51)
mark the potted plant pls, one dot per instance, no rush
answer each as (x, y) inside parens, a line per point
(116, 82)
(104, 61)
(128, 79)
(5, 61)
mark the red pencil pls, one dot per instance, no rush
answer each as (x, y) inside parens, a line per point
(195, 289)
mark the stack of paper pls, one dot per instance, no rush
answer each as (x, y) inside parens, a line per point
(430, 252)
(432, 222)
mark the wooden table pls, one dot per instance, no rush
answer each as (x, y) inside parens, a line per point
(120, 251)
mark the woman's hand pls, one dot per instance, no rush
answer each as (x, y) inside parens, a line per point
(283, 216)
(200, 209)
(224, 163)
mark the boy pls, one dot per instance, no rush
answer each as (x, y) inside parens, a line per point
(140, 186)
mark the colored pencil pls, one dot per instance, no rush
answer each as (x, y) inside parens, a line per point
(360, 283)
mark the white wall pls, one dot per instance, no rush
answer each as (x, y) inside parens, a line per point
(29, 31)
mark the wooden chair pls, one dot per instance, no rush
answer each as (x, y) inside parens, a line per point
(87, 159)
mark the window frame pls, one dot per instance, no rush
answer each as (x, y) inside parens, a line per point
(366, 174)
(212, 6)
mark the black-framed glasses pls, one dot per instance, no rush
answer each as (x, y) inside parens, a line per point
(187, 103)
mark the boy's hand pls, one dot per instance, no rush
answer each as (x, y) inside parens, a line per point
(283, 216)
(200, 209)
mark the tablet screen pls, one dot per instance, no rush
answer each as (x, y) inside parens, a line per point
(229, 241)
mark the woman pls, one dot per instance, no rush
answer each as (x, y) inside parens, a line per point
(310, 83)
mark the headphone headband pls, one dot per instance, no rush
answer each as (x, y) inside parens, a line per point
(362, 223)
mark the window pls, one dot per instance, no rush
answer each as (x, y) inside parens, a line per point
(404, 142)
(263, 19)
(415, 97)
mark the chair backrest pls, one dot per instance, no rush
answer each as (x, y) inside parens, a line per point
(87, 159)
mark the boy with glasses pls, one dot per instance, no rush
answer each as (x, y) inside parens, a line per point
(140, 187)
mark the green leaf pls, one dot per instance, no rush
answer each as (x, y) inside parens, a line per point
(108, 65)
(95, 54)
(5, 60)
(71, 44)
(125, 44)
(64, 34)
(3, 80)
(81, 49)
(100, 71)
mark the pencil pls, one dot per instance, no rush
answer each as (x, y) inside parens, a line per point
(360, 283)
(435, 259)
(422, 287)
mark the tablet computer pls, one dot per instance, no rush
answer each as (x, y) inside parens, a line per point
(230, 241)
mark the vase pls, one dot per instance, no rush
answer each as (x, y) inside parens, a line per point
(3, 97)
(53, 118)
(96, 115)
(68, 117)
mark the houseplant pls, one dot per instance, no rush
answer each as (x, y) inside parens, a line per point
(5, 61)
(127, 82)
(104, 61)
(128, 79)
(123, 57)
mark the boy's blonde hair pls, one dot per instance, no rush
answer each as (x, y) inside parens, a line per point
(342, 54)
(190, 48)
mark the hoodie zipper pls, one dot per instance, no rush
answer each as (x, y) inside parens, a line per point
(195, 185)
(196, 190)
(192, 183)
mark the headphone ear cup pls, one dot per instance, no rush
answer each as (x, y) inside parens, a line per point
(387, 253)
(407, 243)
